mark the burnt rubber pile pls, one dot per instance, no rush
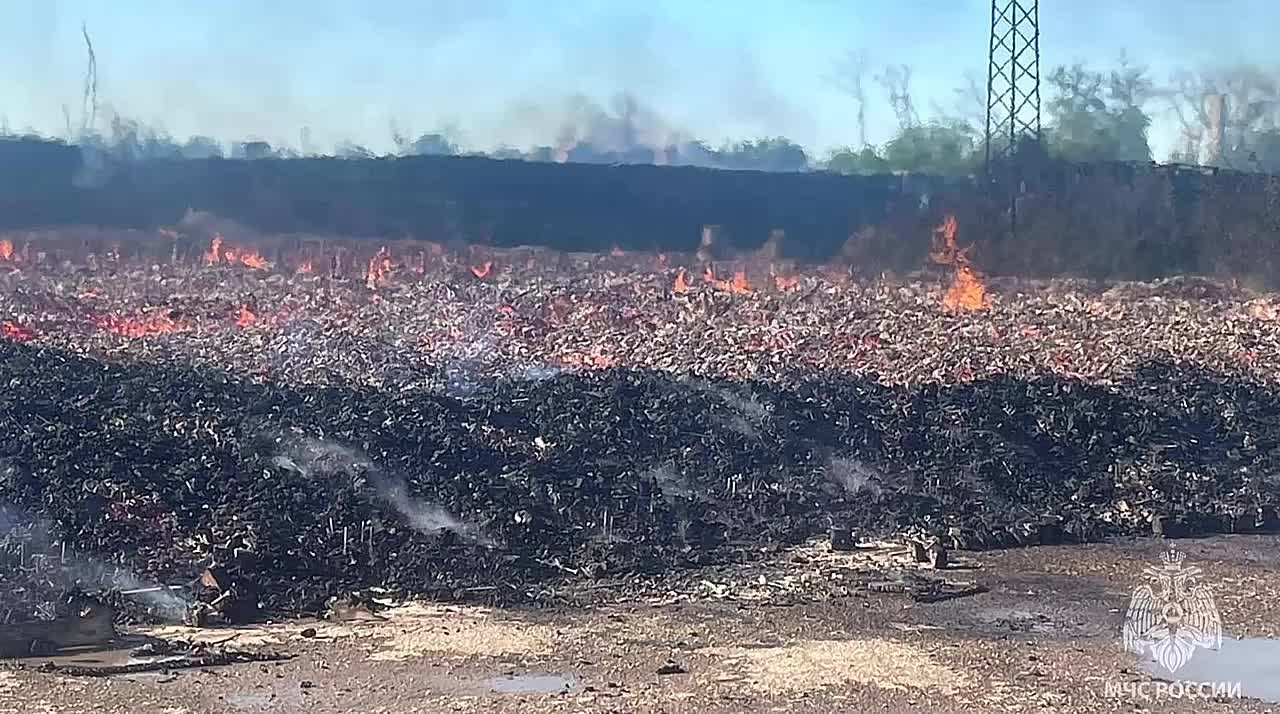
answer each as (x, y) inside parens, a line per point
(314, 491)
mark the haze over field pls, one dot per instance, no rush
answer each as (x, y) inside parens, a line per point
(341, 77)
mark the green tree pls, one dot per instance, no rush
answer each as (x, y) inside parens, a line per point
(775, 154)
(944, 146)
(1129, 89)
(1096, 116)
(850, 161)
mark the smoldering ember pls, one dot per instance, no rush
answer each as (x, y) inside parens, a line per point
(486, 424)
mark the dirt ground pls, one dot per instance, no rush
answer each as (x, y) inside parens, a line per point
(783, 635)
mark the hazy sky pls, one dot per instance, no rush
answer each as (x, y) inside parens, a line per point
(498, 71)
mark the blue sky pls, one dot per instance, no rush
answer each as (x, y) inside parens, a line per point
(499, 71)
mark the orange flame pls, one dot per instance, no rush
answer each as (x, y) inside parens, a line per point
(6, 250)
(305, 268)
(968, 291)
(254, 260)
(245, 317)
(16, 332)
(379, 268)
(156, 324)
(739, 283)
(681, 284)
(785, 282)
(482, 271)
(232, 255)
(215, 250)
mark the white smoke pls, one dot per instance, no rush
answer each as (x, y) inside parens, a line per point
(746, 415)
(315, 457)
(669, 480)
(854, 476)
(34, 536)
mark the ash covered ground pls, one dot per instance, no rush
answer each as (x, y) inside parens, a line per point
(487, 427)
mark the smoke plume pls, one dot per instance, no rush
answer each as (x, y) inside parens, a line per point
(318, 458)
(35, 536)
(853, 476)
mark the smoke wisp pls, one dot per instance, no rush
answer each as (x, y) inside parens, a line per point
(313, 457)
(29, 538)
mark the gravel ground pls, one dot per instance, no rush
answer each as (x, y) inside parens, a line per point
(1043, 638)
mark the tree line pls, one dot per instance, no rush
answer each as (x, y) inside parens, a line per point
(1228, 117)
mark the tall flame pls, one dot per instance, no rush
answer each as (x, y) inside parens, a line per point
(681, 284)
(215, 250)
(6, 250)
(968, 291)
(379, 268)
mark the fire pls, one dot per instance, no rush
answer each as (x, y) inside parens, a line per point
(681, 284)
(155, 324)
(245, 317)
(968, 291)
(232, 255)
(305, 268)
(250, 258)
(16, 332)
(215, 250)
(254, 260)
(739, 283)
(482, 271)
(380, 266)
(6, 250)
(785, 282)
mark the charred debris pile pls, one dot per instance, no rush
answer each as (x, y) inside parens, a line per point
(485, 424)
(310, 492)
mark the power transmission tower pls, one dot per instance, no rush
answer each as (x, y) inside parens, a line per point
(1013, 90)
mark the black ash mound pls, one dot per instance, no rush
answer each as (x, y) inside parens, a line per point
(312, 491)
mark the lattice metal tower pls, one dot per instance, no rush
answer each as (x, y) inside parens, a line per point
(1013, 77)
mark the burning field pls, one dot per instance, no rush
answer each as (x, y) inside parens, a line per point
(293, 420)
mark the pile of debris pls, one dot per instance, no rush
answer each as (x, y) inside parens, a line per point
(308, 492)
(479, 429)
